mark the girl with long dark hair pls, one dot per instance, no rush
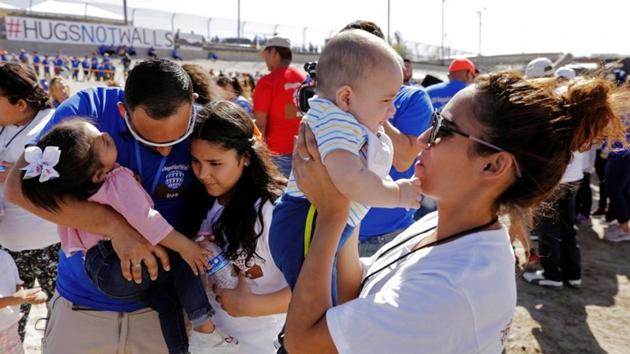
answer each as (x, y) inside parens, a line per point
(236, 170)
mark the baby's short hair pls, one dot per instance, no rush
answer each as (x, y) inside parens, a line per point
(350, 56)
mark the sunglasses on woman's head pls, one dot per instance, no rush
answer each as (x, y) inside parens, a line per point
(440, 128)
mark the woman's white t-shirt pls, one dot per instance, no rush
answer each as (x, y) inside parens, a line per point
(9, 280)
(255, 334)
(19, 229)
(456, 297)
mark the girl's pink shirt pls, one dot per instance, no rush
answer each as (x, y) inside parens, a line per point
(122, 192)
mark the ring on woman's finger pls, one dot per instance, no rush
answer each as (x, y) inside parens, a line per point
(136, 264)
(305, 158)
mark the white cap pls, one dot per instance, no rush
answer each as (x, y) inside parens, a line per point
(565, 73)
(539, 67)
(278, 42)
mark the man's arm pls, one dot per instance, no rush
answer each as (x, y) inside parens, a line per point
(413, 116)
(96, 218)
(406, 147)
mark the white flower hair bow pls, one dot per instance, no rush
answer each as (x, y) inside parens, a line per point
(41, 163)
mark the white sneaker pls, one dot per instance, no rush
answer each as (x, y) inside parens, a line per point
(212, 343)
(618, 237)
(611, 232)
(575, 284)
(537, 278)
(616, 234)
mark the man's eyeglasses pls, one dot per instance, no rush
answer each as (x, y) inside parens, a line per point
(189, 130)
(439, 128)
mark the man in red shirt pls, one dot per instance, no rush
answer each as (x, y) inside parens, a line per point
(274, 110)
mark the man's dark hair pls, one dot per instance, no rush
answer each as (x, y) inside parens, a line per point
(367, 26)
(285, 53)
(159, 86)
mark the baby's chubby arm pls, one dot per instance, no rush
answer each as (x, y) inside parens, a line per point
(356, 182)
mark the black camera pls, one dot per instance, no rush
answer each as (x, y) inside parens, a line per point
(307, 89)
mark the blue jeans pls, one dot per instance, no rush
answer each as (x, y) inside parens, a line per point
(286, 238)
(369, 246)
(284, 163)
(171, 291)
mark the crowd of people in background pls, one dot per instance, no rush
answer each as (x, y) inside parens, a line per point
(94, 67)
(185, 153)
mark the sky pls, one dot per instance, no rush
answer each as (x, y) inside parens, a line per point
(508, 26)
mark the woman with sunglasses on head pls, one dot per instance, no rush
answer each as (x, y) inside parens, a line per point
(446, 284)
(32, 241)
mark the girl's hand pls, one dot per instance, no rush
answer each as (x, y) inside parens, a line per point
(203, 241)
(236, 301)
(195, 256)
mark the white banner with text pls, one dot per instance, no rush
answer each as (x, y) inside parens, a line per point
(30, 29)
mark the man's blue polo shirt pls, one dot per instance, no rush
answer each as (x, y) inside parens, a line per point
(100, 105)
(412, 117)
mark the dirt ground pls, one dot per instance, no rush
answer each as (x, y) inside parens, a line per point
(594, 319)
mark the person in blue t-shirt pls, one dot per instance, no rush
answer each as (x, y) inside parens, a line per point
(46, 65)
(412, 117)
(93, 67)
(461, 72)
(100, 72)
(24, 57)
(58, 64)
(150, 123)
(175, 55)
(85, 64)
(37, 60)
(151, 52)
(74, 62)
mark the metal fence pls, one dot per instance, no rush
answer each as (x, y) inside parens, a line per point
(224, 30)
